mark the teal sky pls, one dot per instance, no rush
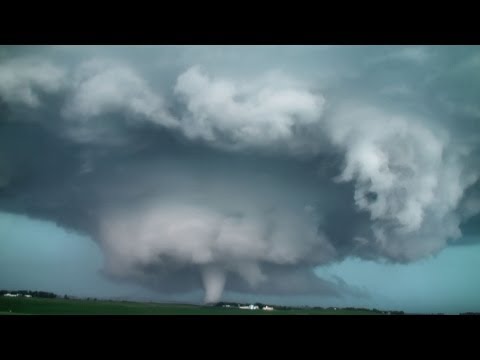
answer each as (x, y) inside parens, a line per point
(446, 283)
(39, 255)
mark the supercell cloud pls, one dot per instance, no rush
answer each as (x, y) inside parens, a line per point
(243, 168)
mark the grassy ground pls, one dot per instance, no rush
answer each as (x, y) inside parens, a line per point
(21, 305)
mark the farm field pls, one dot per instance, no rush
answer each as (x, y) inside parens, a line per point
(60, 306)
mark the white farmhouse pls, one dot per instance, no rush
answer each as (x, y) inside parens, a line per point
(249, 307)
(267, 308)
(11, 295)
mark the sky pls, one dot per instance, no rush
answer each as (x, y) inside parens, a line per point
(307, 175)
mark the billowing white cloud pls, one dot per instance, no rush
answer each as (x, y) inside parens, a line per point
(21, 80)
(406, 176)
(235, 114)
(272, 111)
(100, 87)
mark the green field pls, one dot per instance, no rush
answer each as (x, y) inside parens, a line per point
(41, 306)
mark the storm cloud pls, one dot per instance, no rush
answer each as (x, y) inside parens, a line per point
(243, 168)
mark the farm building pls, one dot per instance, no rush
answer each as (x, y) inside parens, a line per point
(249, 307)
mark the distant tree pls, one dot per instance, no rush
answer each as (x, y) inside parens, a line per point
(66, 297)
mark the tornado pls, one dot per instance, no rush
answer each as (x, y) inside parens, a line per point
(213, 278)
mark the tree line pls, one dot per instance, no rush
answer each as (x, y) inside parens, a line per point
(280, 307)
(39, 294)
